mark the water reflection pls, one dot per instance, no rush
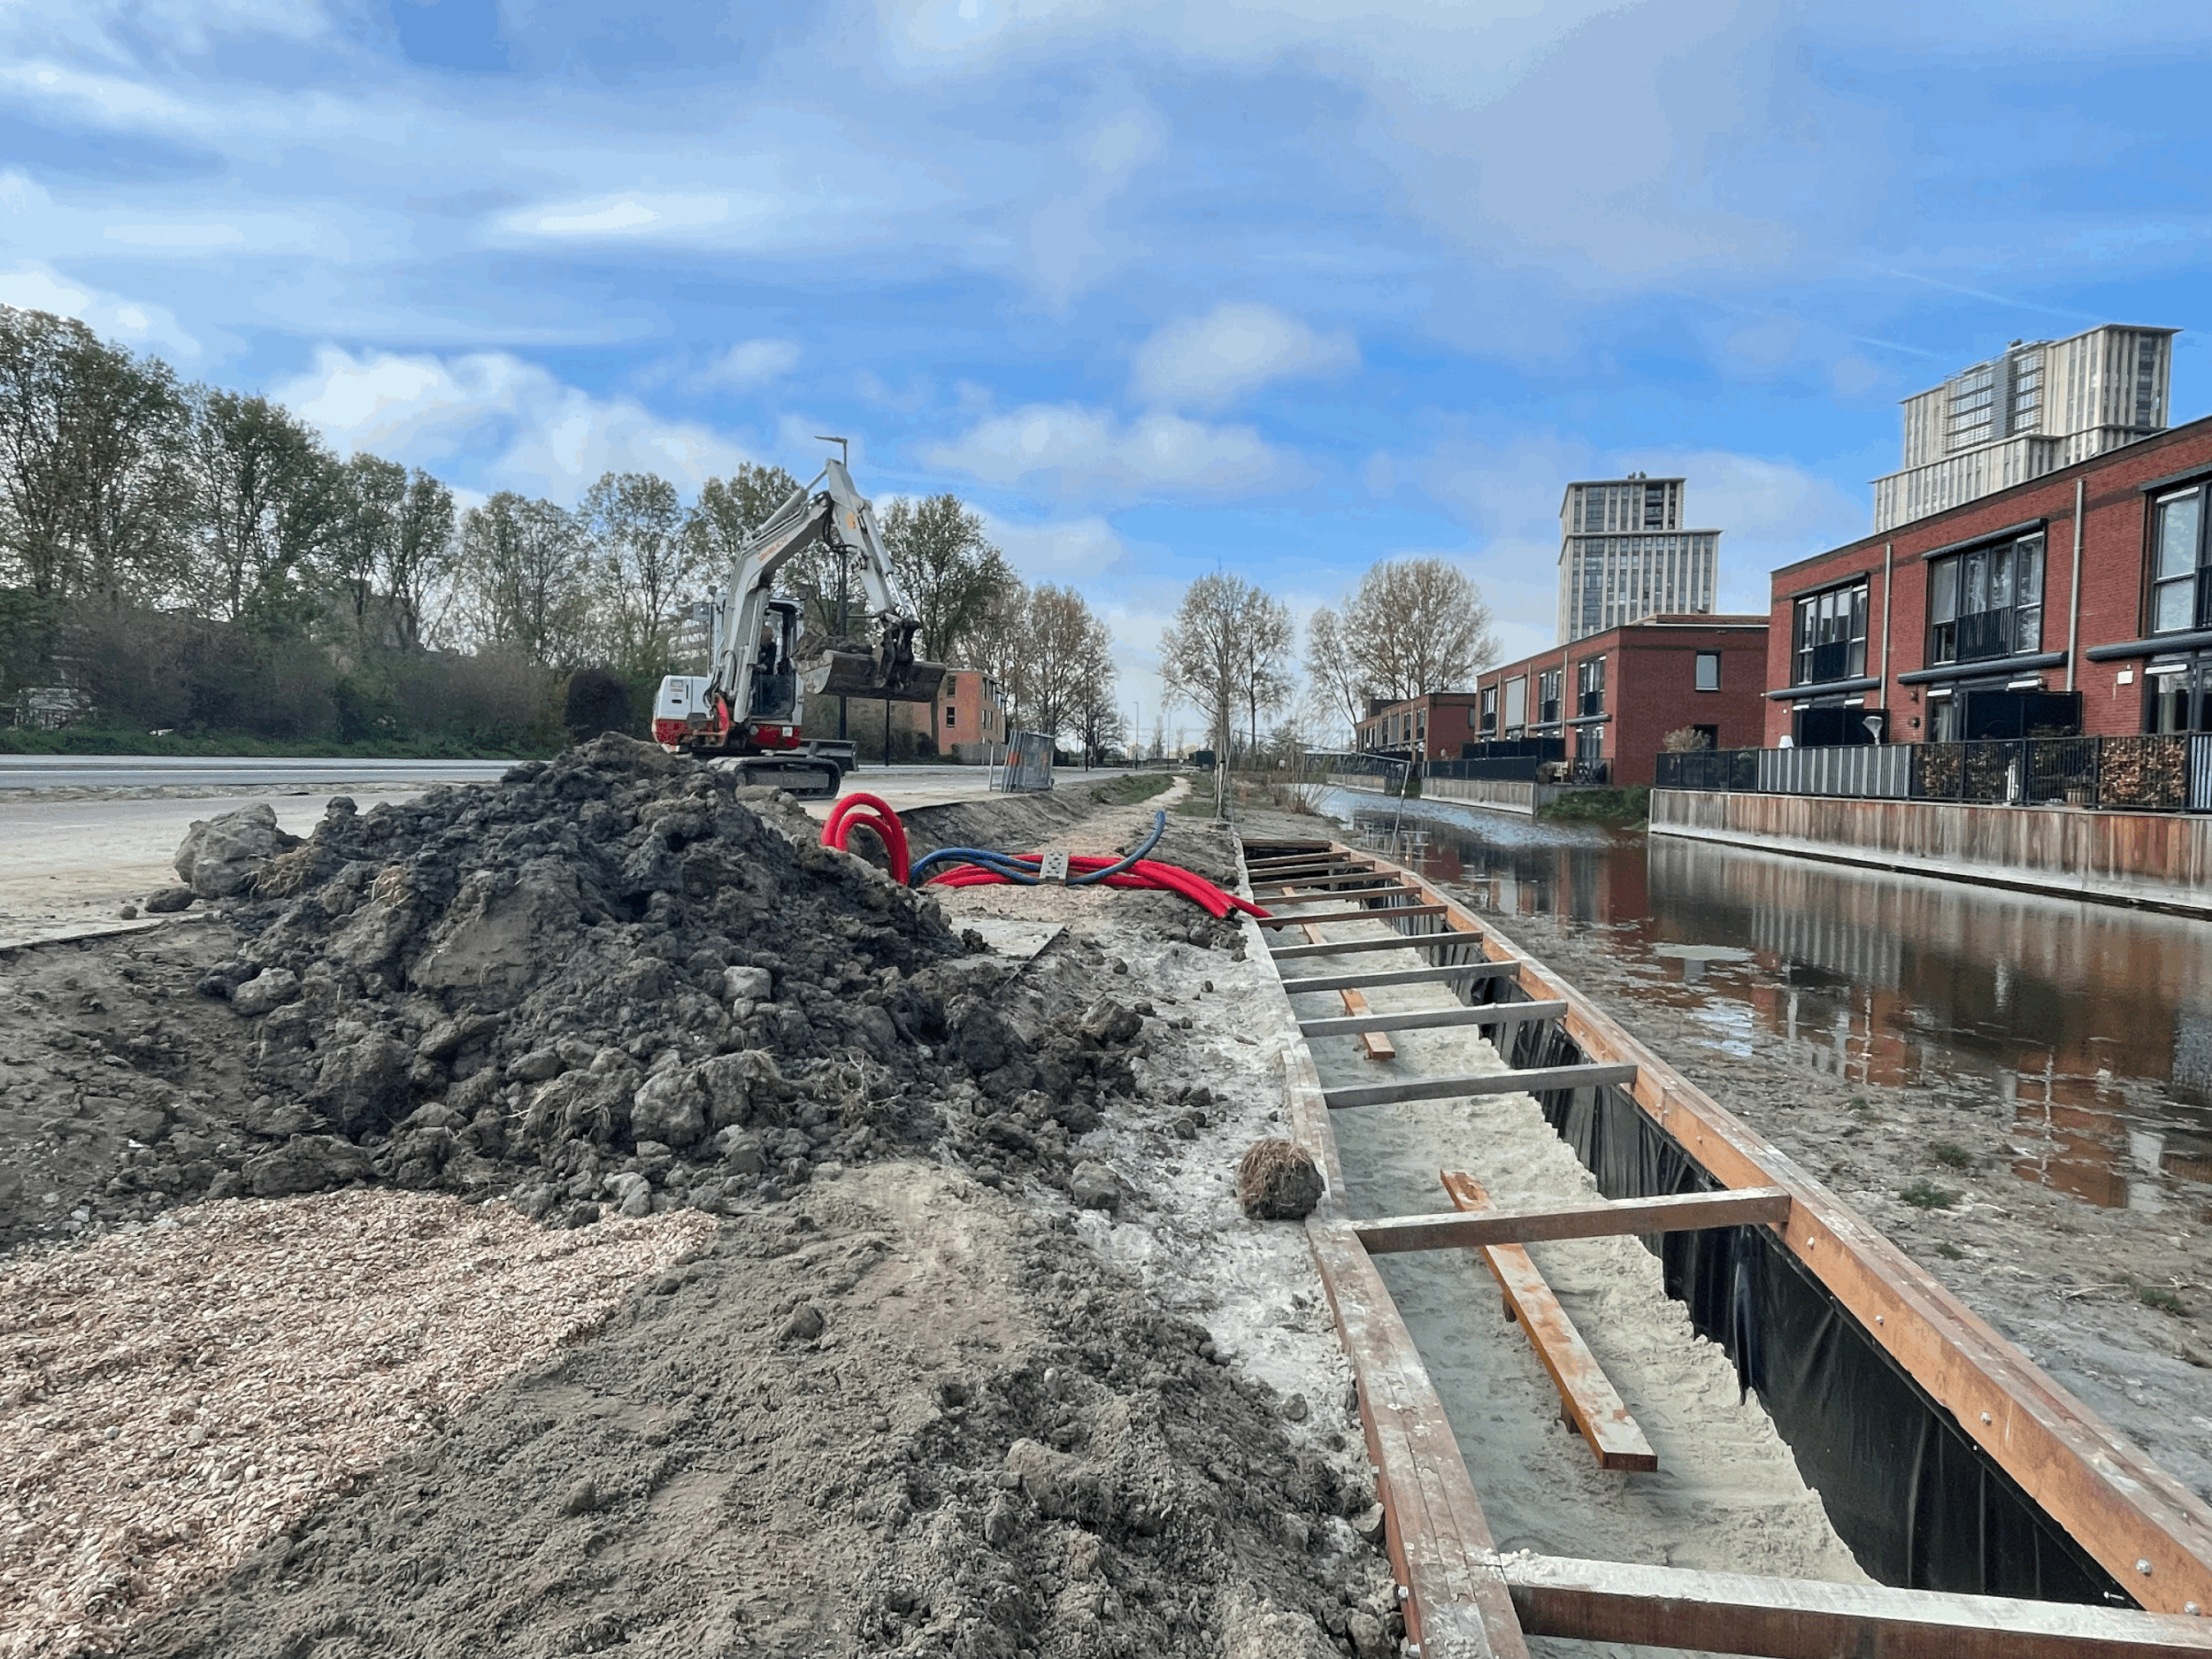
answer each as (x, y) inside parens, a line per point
(2093, 1023)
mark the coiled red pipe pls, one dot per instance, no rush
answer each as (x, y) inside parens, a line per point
(871, 812)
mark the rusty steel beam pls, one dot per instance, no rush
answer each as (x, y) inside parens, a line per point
(1478, 1014)
(1529, 1082)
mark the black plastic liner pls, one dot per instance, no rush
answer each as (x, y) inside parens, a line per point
(1920, 1504)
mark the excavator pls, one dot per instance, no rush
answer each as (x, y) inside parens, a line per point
(751, 707)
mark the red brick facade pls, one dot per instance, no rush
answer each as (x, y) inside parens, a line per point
(2111, 617)
(1437, 724)
(1617, 696)
(970, 718)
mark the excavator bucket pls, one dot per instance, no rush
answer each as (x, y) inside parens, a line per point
(860, 674)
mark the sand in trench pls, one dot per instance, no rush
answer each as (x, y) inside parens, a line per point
(1727, 1495)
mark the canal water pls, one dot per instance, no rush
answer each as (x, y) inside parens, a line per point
(2093, 1021)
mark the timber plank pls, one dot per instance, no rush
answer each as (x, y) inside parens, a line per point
(1290, 896)
(1530, 1080)
(1389, 915)
(1588, 1399)
(1402, 942)
(1686, 1212)
(1479, 1013)
(2093, 1480)
(1796, 1618)
(1465, 973)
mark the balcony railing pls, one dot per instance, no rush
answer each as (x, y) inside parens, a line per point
(1589, 703)
(2153, 772)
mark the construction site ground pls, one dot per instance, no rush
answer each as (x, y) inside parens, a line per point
(368, 1316)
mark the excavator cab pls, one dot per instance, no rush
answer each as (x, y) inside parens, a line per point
(775, 676)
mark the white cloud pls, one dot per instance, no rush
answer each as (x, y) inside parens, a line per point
(1070, 550)
(494, 420)
(1077, 452)
(1771, 513)
(135, 323)
(751, 363)
(1232, 349)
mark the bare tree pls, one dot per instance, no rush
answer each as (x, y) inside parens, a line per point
(1266, 640)
(642, 564)
(948, 575)
(997, 643)
(1330, 672)
(419, 557)
(1066, 659)
(371, 498)
(1201, 659)
(1416, 626)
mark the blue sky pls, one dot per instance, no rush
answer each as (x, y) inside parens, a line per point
(1285, 289)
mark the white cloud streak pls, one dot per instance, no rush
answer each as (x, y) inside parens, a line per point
(1235, 348)
(1069, 450)
(493, 421)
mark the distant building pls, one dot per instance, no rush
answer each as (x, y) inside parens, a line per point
(1611, 697)
(1434, 727)
(970, 716)
(1624, 556)
(2044, 404)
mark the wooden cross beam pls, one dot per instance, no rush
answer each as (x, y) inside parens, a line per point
(1686, 1212)
(1401, 942)
(1435, 1019)
(1390, 915)
(1535, 1079)
(1465, 973)
(1797, 1618)
(1287, 897)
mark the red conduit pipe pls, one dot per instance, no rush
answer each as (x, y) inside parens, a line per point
(871, 812)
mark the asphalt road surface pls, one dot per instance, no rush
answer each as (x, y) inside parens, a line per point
(70, 861)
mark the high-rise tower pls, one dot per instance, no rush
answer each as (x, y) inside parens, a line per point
(1624, 556)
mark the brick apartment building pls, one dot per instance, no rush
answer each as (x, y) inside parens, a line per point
(2078, 602)
(1613, 695)
(1434, 727)
(970, 716)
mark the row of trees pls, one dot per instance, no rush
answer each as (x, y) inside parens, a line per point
(1412, 626)
(181, 556)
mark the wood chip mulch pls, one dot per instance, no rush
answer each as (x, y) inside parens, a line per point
(172, 1398)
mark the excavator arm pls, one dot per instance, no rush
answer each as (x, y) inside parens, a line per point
(835, 515)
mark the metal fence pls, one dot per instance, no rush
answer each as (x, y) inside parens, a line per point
(1028, 764)
(2152, 773)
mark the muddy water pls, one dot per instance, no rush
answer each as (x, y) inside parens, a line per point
(2094, 1022)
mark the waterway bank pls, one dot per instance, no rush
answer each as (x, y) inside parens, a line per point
(2003, 1084)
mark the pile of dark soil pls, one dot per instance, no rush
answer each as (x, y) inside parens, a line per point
(614, 979)
(900, 1415)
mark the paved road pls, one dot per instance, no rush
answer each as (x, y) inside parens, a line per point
(143, 771)
(157, 772)
(68, 861)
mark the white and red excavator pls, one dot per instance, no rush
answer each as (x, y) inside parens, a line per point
(751, 707)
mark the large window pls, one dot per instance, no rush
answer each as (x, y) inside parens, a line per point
(1590, 686)
(1548, 697)
(1517, 702)
(2181, 598)
(1986, 602)
(1708, 674)
(1487, 722)
(1828, 639)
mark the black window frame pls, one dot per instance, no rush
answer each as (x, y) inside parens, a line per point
(1590, 686)
(1548, 704)
(2014, 627)
(2195, 578)
(1697, 670)
(1808, 665)
(1486, 710)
